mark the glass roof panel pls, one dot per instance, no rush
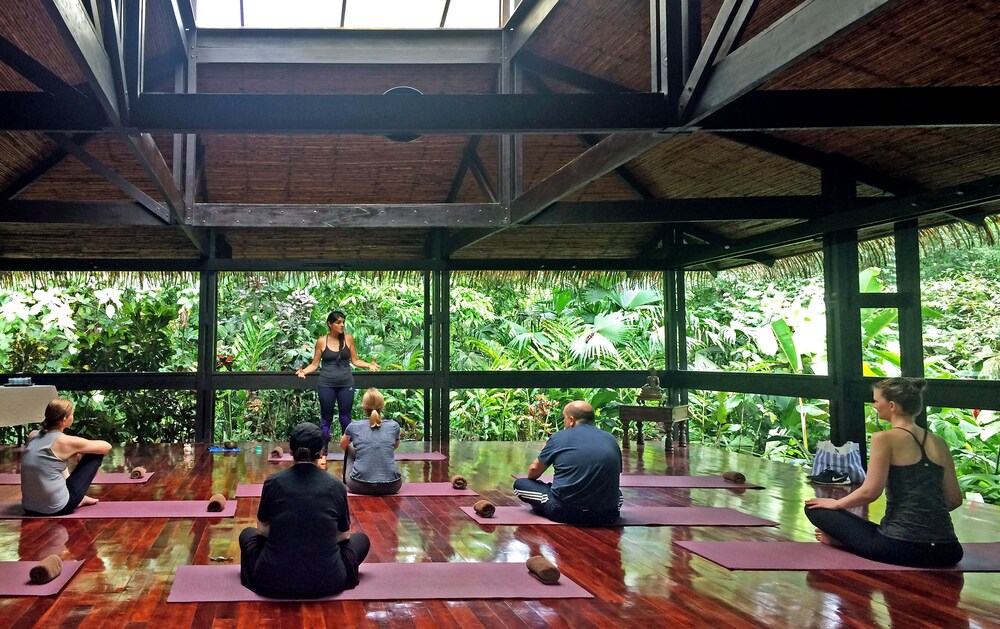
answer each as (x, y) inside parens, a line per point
(374, 14)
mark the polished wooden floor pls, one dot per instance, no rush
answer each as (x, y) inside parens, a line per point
(639, 577)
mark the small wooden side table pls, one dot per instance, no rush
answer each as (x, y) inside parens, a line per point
(669, 416)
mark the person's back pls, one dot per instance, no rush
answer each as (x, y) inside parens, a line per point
(915, 503)
(305, 508)
(374, 451)
(587, 468)
(43, 486)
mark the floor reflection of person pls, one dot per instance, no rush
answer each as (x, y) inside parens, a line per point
(917, 473)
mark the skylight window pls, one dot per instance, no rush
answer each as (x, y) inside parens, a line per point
(376, 14)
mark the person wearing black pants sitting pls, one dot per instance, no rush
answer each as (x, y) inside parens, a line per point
(588, 465)
(302, 546)
(47, 486)
(917, 472)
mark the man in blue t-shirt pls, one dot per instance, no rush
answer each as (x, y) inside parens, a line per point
(588, 465)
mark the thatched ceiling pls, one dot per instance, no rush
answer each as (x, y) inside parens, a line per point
(81, 195)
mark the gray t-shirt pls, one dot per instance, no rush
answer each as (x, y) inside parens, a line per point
(43, 486)
(375, 448)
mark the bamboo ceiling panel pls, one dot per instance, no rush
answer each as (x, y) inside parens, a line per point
(26, 24)
(344, 79)
(544, 155)
(932, 158)
(926, 43)
(73, 180)
(706, 165)
(32, 240)
(11, 81)
(321, 243)
(555, 242)
(330, 169)
(19, 153)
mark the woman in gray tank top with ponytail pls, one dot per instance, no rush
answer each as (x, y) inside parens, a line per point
(47, 486)
(917, 472)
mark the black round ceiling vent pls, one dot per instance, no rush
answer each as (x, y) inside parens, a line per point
(402, 90)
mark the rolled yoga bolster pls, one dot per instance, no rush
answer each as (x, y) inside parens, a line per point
(137, 472)
(734, 477)
(543, 570)
(45, 570)
(277, 452)
(216, 503)
(484, 508)
(459, 482)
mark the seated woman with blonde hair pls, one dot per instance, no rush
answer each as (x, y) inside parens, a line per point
(47, 486)
(917, 473)
(369, 444)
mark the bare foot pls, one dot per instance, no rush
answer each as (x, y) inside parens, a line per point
(823, 538)
(87, 501)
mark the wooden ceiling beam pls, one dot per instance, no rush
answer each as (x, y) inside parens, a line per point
(346, 215)
(691, 210)
(73, 212)
(525, 22)
(348, 46)
(955, 106)
(955, 198)
(792, 38)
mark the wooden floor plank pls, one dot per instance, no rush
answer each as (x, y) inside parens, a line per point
(639, 577)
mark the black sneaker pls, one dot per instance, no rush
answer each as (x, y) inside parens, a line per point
(829, 477)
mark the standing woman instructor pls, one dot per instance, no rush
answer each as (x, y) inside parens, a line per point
(334, 355)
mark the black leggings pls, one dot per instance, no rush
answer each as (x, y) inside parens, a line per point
(330, 398)
(353, 551)
(78, 483)
(861, 537)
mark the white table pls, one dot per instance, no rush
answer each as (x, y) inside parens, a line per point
(25, 405)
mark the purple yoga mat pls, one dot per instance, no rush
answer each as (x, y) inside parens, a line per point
(979, 557)
(14, 579)
(388, 582)
(339, 456)
(130, 509)
(637, 516)
(408, 489)
(102, 478)
(661, 480)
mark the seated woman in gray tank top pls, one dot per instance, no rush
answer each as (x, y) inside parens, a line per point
(47, 486)
(917, 472)
(369, 458)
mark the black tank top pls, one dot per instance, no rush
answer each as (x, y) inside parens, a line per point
(915, 510)
(336, 368)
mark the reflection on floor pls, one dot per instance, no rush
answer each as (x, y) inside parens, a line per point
(640, 578)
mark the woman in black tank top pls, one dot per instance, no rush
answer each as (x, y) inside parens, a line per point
(334, 354)
(917, 473)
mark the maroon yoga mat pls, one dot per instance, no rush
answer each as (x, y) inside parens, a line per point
(130, 509)
(979, 557)
(14, 579)
(339, 456)
(637, 516)
(388, 582)
(102, 478)
(408, 489)
(662, 480)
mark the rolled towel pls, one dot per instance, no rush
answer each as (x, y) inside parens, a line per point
(137, 472)
(734, 477)
(484, 508)
(46, 570)
(543, 570)
(277, 452)
(459, 482)
(216, 503)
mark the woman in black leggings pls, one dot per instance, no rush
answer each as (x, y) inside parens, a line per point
(917, 472)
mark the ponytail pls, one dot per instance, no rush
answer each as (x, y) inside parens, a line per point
(57, 410)
(373, 403)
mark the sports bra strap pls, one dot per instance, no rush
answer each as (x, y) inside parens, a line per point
(923, 454)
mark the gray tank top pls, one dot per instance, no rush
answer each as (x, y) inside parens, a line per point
(915, 510)
(43, 486)
(335, 370)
